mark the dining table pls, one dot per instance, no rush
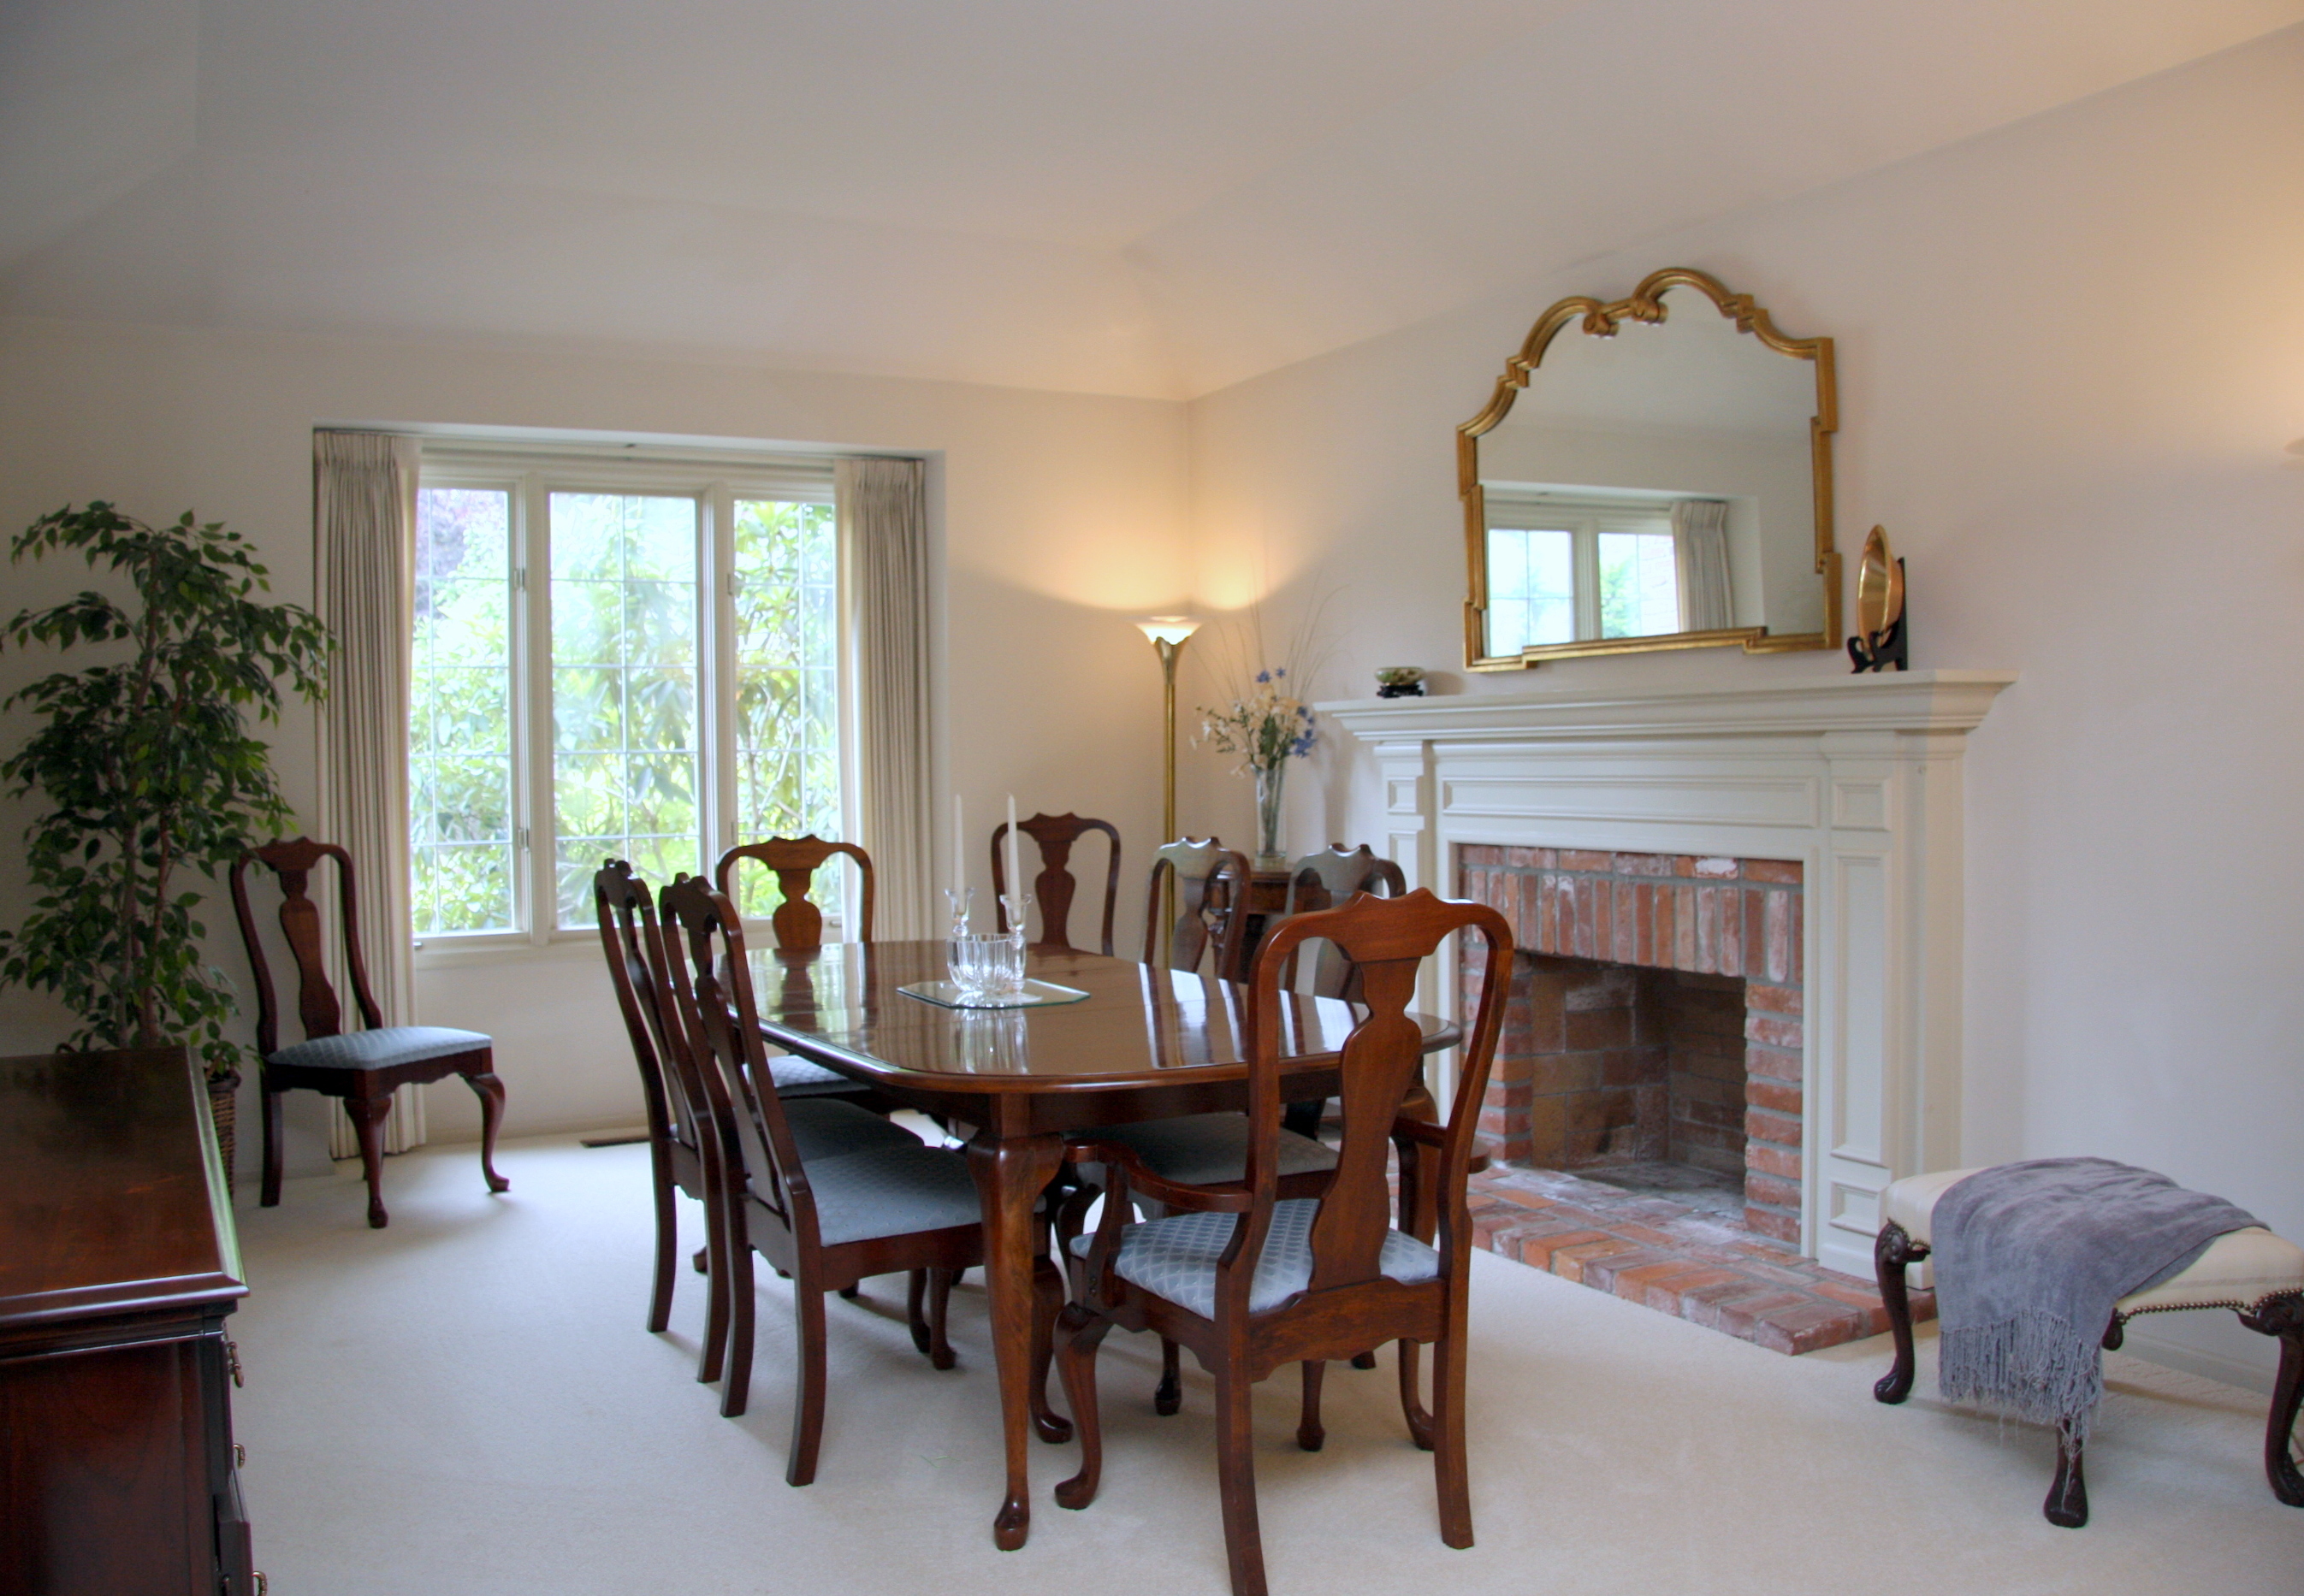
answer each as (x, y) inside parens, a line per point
(1139, 1041)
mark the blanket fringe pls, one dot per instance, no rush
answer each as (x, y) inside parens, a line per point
(2033, 1365)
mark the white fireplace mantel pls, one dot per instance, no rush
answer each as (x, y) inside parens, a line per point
(1857, 777)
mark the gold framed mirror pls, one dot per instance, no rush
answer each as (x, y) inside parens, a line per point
(1662, 481)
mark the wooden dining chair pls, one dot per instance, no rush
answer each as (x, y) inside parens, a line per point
(799, 925)
(1321, 881)
(698, 1127)
(1212, 882)
(827, 1220)
(1053, 887)
(1196, 1150)
(361, 1067)
(1250, 1281)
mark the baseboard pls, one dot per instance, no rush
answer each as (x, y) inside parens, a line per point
(2187, 1359)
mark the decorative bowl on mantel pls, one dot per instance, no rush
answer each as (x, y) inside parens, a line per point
(1400, 681)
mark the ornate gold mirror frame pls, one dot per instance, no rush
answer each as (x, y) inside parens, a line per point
(1602, 320)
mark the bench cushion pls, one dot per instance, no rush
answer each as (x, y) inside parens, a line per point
(2241, 1266)
(379, 1049)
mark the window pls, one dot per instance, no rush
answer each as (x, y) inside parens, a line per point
(1563, 569)
(614, 658)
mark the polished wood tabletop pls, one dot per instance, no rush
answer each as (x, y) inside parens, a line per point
(1145, 1043)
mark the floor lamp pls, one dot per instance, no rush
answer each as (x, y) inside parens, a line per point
(1168, 634)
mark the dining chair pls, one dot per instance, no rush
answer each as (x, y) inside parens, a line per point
(799, 925)
(1321, 881)
(827, 1220)
(362, 1068)
(1196, 1150)
(1252, 1280)
(1054, 888)
(1212, 883)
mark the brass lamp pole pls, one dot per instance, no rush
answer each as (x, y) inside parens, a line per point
(1168, 634)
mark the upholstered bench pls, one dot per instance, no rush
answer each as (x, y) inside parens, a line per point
(2253, 1272)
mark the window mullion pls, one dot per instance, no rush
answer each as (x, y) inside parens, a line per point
(716, 683)
(538, 814)
(1588, 579)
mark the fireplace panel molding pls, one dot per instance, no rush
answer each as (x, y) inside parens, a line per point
(1856, 778)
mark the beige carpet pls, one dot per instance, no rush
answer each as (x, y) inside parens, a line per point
(466, 1403)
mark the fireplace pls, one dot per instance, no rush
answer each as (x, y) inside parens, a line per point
(1655, 1018)
(1833, 803)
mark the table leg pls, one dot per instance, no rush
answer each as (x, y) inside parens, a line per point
(1009, 1175)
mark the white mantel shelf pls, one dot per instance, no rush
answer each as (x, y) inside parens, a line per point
(1857, 777)
(1902, 701)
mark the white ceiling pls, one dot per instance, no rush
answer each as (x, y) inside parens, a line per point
(1153, 198)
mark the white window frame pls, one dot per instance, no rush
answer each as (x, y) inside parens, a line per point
(716, 483)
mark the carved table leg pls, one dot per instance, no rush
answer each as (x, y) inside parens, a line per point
(2067, 1503)
(1009, 1177)
(1892, 1249)
(2282, 1316)
(366, 1115)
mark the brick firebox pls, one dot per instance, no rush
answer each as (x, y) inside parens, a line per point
(1620, 1041)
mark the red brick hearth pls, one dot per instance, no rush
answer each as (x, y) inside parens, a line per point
(1656, 1013)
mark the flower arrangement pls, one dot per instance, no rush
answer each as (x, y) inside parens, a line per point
(1264, 727)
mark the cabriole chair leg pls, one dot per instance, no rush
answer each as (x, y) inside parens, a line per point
(1892, 1250)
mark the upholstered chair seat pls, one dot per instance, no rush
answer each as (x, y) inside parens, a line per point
(376, 1049)
(797, 1077)
(1177, 1256)
(1212, 1149)
(888, 1190)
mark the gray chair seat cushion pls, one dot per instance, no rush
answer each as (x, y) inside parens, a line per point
(891, 1190)
(797, 1077)
(826, 1127)
(1211, 1149)
(380, 1048)
(1176, 1257)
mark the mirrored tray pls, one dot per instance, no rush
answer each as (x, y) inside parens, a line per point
(1037, 995)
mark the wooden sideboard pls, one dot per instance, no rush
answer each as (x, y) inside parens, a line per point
(118, 1265)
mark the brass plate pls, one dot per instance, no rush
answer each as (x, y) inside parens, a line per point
(1879, 587)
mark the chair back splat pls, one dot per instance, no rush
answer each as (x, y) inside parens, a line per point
(1053, 887)
(294, 859)
(1212, 882)
(798, 922)
(1325, 879)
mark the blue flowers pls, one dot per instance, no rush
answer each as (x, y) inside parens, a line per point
(1264, 727)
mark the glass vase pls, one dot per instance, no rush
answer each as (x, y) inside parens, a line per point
(1270, 853)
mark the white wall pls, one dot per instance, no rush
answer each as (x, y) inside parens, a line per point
(2072, 359)
(1061, 518)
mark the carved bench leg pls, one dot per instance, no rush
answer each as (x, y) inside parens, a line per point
(2283, 1317)
(2067, 1503)
(1892, 1250)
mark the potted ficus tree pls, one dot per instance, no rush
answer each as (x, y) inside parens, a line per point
(149, 777)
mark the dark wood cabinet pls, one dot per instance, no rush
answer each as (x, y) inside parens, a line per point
(118, 1265)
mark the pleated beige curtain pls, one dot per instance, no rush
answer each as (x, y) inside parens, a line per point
(364, 538)
(1699, 542)
(882, 506)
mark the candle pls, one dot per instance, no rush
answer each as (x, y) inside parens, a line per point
(959, 855)
(1015, 880)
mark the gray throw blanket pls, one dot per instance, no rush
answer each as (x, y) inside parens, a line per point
(2031, 1258)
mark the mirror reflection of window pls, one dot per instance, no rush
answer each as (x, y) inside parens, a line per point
(1567, 570)
(1639, 589)
(1532, 586)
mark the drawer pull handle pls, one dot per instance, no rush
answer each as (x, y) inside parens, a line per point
(231, 1358)
(238, 1455)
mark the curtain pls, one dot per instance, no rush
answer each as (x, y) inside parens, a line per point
(884, 543)
(364, 536)
(1699, 545)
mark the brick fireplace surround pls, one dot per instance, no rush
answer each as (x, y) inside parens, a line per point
(1655, 1014)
